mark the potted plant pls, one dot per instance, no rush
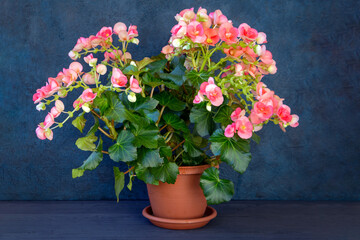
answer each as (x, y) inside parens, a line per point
(171, 118)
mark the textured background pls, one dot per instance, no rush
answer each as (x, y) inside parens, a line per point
(315, 45)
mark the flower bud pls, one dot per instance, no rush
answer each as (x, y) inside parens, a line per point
(132, 97)
(86, 107)
(208, 106)
(73, 55)
(59, 105)
(135, 41)
(93, 62)
(101, 69)
(133, 63)
(176, 43)
(62, 93)
(41, 106)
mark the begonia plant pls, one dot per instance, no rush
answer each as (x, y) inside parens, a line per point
(199, 102)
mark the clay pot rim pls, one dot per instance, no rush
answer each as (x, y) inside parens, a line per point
(189, 170)
(147, 213)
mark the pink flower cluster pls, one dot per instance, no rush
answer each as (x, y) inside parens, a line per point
(210, 29)
(118, 80)
(104, 38)
(241, 125)
(43, 130)
(86, 97)
(64, 78)
(211, 91)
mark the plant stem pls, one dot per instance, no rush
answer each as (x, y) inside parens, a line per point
(105, 152)
(128, 170)
(152, 92)
(161, 112)
(177, 156)
(162, 127)
(105, 133)
(178, 145)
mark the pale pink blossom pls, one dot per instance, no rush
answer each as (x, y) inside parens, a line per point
(266, 57)
(76, 66)
(198, 98)
(55, 112)
(261, 38)
(105, 33)
(212, 36)
(49, 120)
(89, 59)
(101, 69)
(179, 30)
(88, 95)
(167, 49)
(254, 118)
(78, 103)
(70, 76)
(40, 133)
(89, 79)
(118, 79)
(95, 41)
(59, 105)
(132, 32)
(195, 32)
(72, 55)
(247, 33)
(119, 27)
(230, 130)
(228, 33)
(126, 56)
(294, 120)
(238, 70)
(218, 18)
(49, 134)
(244, 128)
(134, 85)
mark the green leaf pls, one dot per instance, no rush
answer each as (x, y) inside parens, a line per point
(129, 186)
(196, 78)
(141, 64)
(140, 104)
(191, 148)
(79, 122)
(123, 149)
(167, 172)
(91, 162)
(233, 152)
(119, 182)
(157, 66)
(255, 137)
(149, 158)
(176, 76)
(175, 122)
(116, 110)
(216, 190)
(203, 119)
(223, 115)
(102, 103)
(170, 101)
(150, 80)
(94, 128)
(130, 70)
(187, 160)
(87, 143)
(152, 115)
(145, 135)
(145, 175)
(164, 149)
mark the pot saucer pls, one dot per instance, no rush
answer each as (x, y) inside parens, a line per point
(169, 223)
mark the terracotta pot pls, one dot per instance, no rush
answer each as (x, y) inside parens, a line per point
(182, 200)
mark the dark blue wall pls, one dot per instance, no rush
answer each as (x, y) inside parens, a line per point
(315, 44)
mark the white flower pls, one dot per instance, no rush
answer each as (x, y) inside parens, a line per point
(132, 97)
(41, 106)
(86, 108)
(208, 106)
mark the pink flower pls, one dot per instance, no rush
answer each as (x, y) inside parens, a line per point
(89, 59)
(214, 93)
(101, 69)
(227, 72)
(294, 120)
(263, 111)
(167, 50)
(186, 14)
(40, 133)
(230, 130)
(284, 113)
(266, 57)
(247, 33)
(212, 36)
(78, 103)
(95, 41)
(218, 18)
(88, 95)
(198, 98)
(237, 114)
(244, 127)
(49, 120)
(195, 32)
(105, 33)
(132, 32)
(134, 85)
(119, 27)
(76, 66)
(55, 112)
(255, 119)
(228, 33)
(89, 79)
(72, 55)
(118, 79)
(238, 70)
(261, 38)
(59, 105)
(179, 30)
(70, 76)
